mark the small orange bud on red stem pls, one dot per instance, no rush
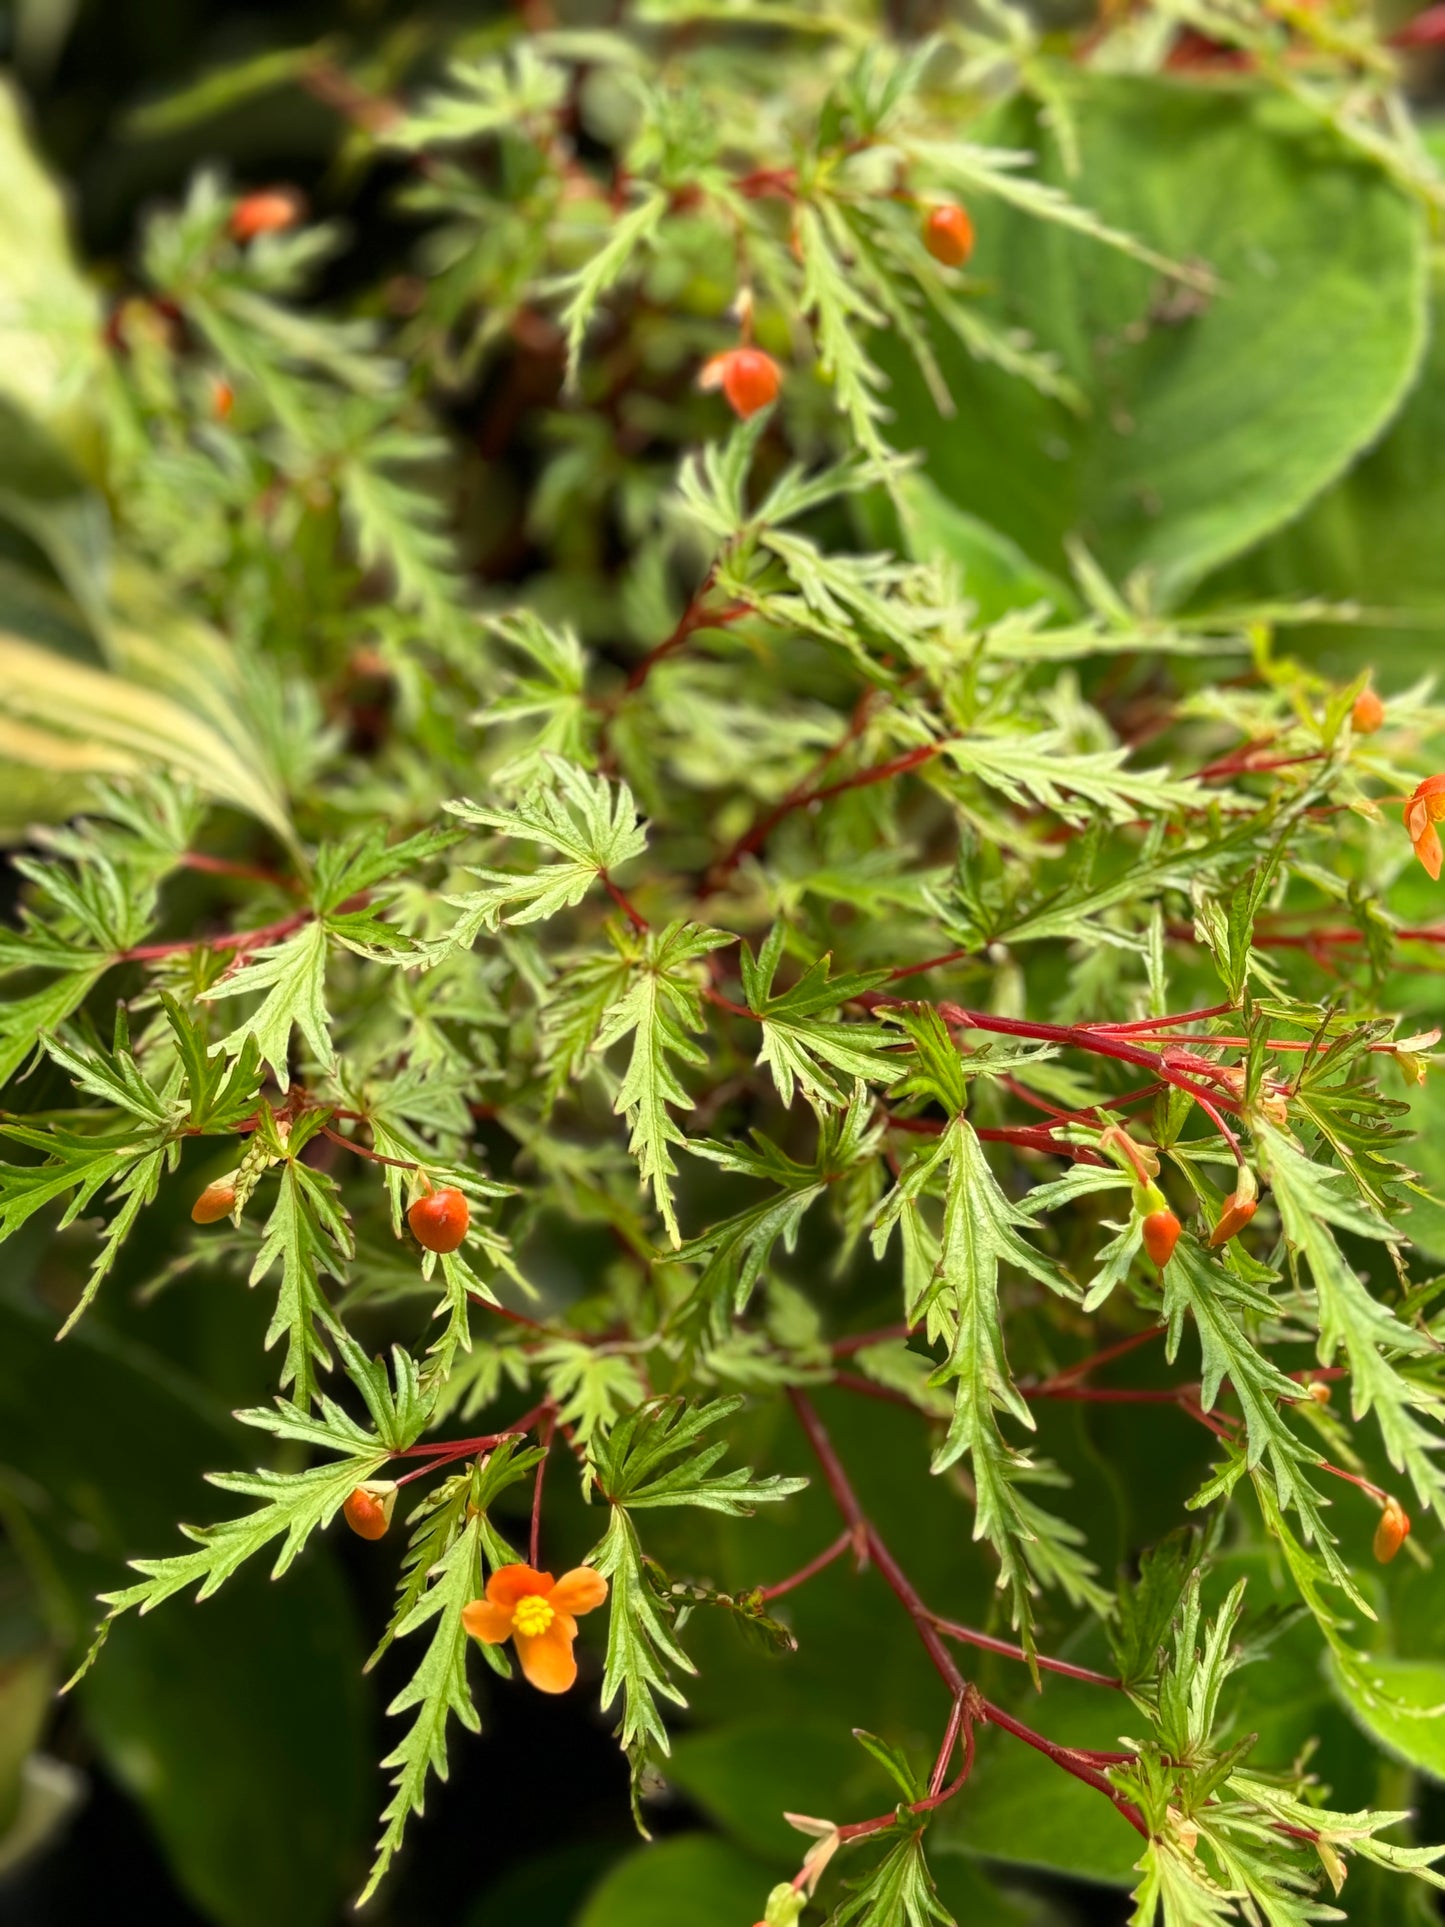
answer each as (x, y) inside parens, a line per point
(1161, 1233)
(948, 234)
(368, 1510)
(1368, 712)
(1392, 1531)
(268, 211)
(748, 378)
(440, 1220)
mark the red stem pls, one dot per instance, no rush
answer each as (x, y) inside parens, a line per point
(879, 772)
(819, 1563)
(224, 866)
(240, 941)
(801, 793)
(1081, 1037)
(858, 1341)
(634, 917)
(694, 617)
(1071, 1761)
(1104, 1357)
(929, 963)
(1167, 1023)
(362, 1151)
(462, 1448)
(926, 1627)
(847, 1503)
(988, 1644)
(534, 1544)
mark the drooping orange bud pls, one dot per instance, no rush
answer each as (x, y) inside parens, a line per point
(749, 379)
(1426, 808)
(1392, 1531)
(1319, 1391)
(268, 211)
(223, 398)
(1161, 1234)
(217, 1201)
(439, 1221)
(1368, 712)
(1239, 1208)
(948, 234)
(368, 1510)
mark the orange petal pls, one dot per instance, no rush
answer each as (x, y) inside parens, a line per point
(487, 1622)
(1427, 848)
(1417, 815)
(547, 1659)
(508, 1584)
(580, 1591)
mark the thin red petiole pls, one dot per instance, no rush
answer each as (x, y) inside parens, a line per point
(1105, 1357)
(986, 1643)
(534, 1546)
(1166, 1023)
(362, 1151)
(624, 904)
(1081, 1766)
(845, 1542)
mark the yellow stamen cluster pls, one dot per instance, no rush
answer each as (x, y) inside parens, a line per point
(533, 1615)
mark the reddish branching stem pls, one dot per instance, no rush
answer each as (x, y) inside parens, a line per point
(1082, 1765)
(239, 942)
(846, 1541)
(364, 1151)
(224, 866)
(634, 916)
(1092, 1363)
(797, 797)
(1089, 1038)
(1005, 1649)
(534, 1544)
(695, 616)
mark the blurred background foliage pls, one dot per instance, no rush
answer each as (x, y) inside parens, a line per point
(1298, 433)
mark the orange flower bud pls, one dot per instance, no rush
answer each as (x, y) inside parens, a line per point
(439, 1221)
(1368, 712)
(948, 234)
(1319, 1391)
(223, 399)
(1239, 1208)
(749, 379)
(217, 1201)
(1392, 1531)
(1423, 811)
(1161, 1234)
(268, 211)
(368, 1510)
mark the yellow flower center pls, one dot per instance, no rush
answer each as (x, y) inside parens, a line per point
(533, 1615)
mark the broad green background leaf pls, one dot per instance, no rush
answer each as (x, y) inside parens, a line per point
(1022, 1811)
(1206, 431)
(1415, 1683)
(748, 1774)
(1425, 1155)
(694, 1879)
(238, 1725)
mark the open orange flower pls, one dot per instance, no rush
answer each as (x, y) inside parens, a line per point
(539, 1615)
(1424, 810)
